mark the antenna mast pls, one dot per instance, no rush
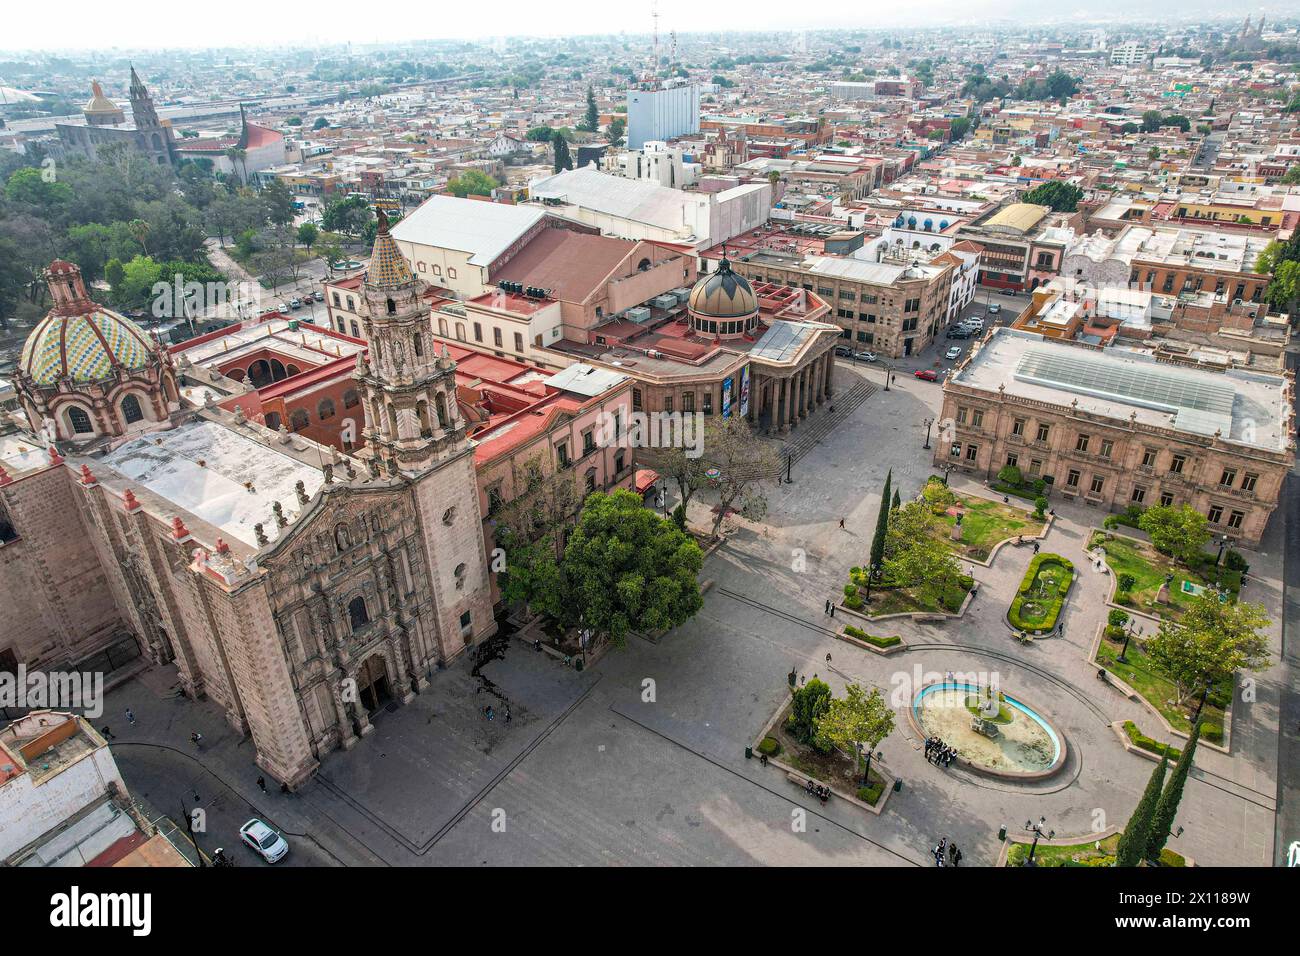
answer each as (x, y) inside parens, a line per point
(654, 17)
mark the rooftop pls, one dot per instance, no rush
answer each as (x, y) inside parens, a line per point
(1248, 408)
(483, 229)
(631, 199)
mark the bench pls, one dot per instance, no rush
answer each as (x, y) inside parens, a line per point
(930, 618)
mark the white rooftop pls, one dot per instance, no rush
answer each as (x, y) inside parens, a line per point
(168, 464)
(860, 270)
(630, 199)
(586, 380)
(483, 229)
(1246, 407)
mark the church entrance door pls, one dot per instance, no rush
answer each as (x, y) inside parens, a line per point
(372, 683)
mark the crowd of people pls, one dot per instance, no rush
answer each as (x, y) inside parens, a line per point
(938, 752)
(817, 790)
(946, 853)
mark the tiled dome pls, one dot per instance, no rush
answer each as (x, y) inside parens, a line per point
(84, 347)
(723, 295)
(388, 267)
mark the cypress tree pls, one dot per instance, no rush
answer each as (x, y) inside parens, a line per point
(882, 525)
(1163, 820)
(563, 160)
(897, 502)
(1133, 842)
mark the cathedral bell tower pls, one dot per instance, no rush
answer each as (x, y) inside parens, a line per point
(412, 421)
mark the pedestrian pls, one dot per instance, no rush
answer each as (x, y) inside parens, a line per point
(284, 788)
(802, 679)
(130, 716)
(841, 524)
(828, 607)
(507, 713)
(954, 854)
(261, 784)
(832, 610)
(106, 732)
(195, 738)
(828, 658)
(1035, 547)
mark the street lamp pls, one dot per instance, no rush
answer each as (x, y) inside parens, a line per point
(1128, 636)
(872, 571)
(866, 770)
(1223, 540)
(928, 423)
(1037, 830)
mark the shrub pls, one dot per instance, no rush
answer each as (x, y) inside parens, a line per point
(1116, 617)
(1110, 522)
(1114, 633)
(1052, 602)
(810, 702)
(850, 590)
(1039, 486)
(1011, 475)
(1040, 506)
(869, 795)
(853, 603)
(862, 635)
(1126, 582)
(769, 746)
(1234, 561)
(1139, 739)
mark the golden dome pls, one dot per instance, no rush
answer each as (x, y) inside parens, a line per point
(723, 295)
(99, 103)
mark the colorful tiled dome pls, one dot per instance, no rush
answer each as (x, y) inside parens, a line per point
(388, 267)
(84, 347)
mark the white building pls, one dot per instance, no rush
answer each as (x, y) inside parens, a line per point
(658, 163)
(662, 114)
(1129, 53)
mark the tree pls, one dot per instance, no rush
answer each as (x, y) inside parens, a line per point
(914, 557)
(1010, 475)
(882, 528)
(1212, 641)
(560, 146)
(1133, 841)
(625, 568)
(688, 472)
(472, 182)
(857, 722)
(349, 216)
(279, 202)
(307, 235)
(591, 120)
(321, 123)
(744, 459)
(896, 502)
(32, 187)
(1292, 176)
(1162, 821)
(1060, 196)
(938, 495)
(1151, 121)
(1181, 533)
(959, 128)
(617, 127)
(807, 706)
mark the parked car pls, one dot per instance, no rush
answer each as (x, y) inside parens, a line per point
(318, 295)
(284, 308)
(295, 303)
(263, 841)
(865, 356)
(926, 375)
(952, 353)
(844, 351)
(959, 332)
(994, 308)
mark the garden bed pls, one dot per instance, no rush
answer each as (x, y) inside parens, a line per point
(1130, 558)
(1143, 742)
(1041, 594)
(1158, 691)
(861, 635)
(1092, 853)
(833, 769)
(984, 524)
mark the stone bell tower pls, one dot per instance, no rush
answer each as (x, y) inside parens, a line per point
(416, 433)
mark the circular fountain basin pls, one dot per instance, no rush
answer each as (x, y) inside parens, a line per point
(1026, 747)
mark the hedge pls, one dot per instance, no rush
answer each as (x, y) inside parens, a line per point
(1139, 739)
(869, 795)
(769, 746)
(1054, 603)
(862, 635)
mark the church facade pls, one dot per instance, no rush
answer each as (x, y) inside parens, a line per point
(106, 125)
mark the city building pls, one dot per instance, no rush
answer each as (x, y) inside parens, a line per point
(1117, 427)
(105, 125)
(662, 113)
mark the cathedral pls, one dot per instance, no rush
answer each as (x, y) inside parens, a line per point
(106, 124)
(297, 587)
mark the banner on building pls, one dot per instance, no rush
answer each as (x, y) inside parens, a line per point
(726, 397)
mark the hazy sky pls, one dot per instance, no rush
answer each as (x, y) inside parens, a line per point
(137, 24)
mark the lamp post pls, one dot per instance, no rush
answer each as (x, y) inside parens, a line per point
(1128, 636)
(928, 422)
(866, 754)
(1205, 693)
(1037, 830)
(872, 570)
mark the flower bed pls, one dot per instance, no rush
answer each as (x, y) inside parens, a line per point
(1041, 594)
(1159, 691)
(1092, 853)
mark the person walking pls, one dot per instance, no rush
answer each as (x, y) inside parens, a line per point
(261, 784)
(841, 524)
(1035, 547)
(130, 716)
(196, 738)
(106, 733)
(828, 607)
(832, 610)
(507, 713)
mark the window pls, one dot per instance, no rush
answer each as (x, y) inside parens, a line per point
(688, 401)
(1107, 448)
(1043, 432)
(356, 330)
(79, 421)
(1235, 519)
(1166, 499)
(478, 331)
(449, 515)
(562, 454)
(955, 451)
(708, 403)
(299, 420)
(466, 624)
(351, 399)
(1072, 479)
(495, 500)
(1176, 466)
(336, 299)
(590, 480)
(636, 399)
(1018, 427)
(1215, 514)
(1228, 478)
(519, 342)
(588, 442)
(1148, 457)
(1081, 443)
(620, 460)
(977, 418)
(1248, 481)
(496, 337)
(325, 409)
(1098, 483)
(668, 403)
(1139, 494)
(1012, 460)
(131, 410)
(7, 531)
(961, 416)
(358, 616)
(972, 451)
(418, 345)
(459, 572)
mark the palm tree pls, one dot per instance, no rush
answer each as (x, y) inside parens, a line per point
(139, 232)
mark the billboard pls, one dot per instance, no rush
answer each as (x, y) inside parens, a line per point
(726, 397)
(744, 392)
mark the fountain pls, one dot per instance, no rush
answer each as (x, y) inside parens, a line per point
(994, 734)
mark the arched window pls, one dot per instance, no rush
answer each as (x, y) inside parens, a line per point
(422, 412)
(356, 330)
(351, 399)
(80, 421)
(325, 409)
(442, 327)
(440, 401)
(299, 420)
(131, 410)
(277, 370)
(358, 617)
(419, 345)
(392, 307)
(643, 265)
(273, 421)
(7, 531)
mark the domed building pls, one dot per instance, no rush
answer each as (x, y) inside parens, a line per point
(100, 110)
(86, 372)
(723, 304)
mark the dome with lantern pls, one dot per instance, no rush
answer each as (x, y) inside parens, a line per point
(723, 303)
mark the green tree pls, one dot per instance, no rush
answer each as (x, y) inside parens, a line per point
(1162, 822)
(321, 123)
(1060, 196)
(591, 120)
(1151, 120)
(807, 706)
(1180, 532)
(882, 526)
(349, 216)
(1211, 641)
(896, 502)
(913, 555)
(1133, 841)
(32, 187)
(856, 722)
(625, 568)
(617, 129)
(472, 182)
(560, 146)
(307, 234)
(279, 202)
(744, 460)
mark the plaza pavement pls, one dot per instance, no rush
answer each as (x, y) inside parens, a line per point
(590, 772)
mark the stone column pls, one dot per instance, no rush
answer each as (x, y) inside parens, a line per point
(781, 418)
(803, 392)
(830, 374)
(347, 739)
(819, 380)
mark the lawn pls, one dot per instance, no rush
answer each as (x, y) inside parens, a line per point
(984, 524)
(890, 600)
(1080, 854)
(1148, 568)
(1159, 691)
(835, 769)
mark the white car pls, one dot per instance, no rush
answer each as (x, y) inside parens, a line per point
(865, 356)
(994, 308)
(263, 841)
(952, 353)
